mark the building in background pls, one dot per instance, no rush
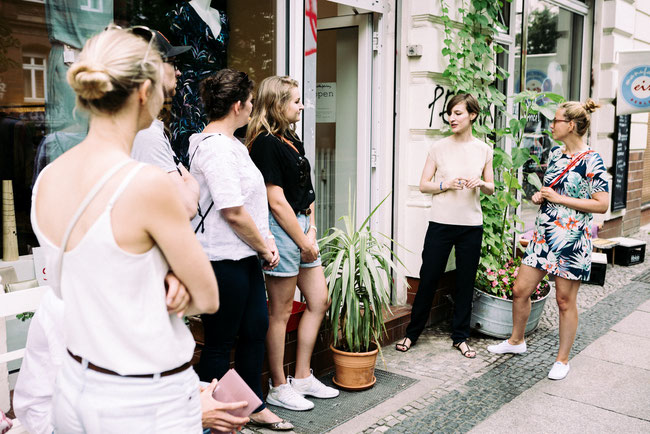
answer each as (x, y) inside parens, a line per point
(371, 78)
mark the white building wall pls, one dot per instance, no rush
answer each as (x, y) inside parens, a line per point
(418, 124)
(625, 25)
(619, 25)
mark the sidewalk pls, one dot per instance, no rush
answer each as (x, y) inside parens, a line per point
(608, 388)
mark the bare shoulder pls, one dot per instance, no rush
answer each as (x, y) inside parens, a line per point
(153, 184)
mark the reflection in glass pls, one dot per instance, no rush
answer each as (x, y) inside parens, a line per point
(553, 58)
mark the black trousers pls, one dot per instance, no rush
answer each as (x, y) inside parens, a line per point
(437, 246)
(242, 320)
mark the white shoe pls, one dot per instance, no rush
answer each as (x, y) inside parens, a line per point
(559, 371)
(312, 387)
(285, 396)
(506, 347)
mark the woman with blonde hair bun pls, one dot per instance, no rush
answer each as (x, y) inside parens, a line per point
(127, 367)
(575, 186)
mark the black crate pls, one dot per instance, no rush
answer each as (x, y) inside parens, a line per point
(626, 256)
(597, 276)
(598, 269)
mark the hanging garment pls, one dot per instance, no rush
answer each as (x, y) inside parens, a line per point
(71, 23)
(207, 56)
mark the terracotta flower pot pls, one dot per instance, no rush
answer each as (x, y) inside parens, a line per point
(354, 371)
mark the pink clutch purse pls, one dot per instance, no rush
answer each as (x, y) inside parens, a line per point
(232, 388)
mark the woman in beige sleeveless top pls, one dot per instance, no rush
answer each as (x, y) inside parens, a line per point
(457, 170)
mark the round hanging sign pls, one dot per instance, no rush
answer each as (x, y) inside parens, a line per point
(635, 87)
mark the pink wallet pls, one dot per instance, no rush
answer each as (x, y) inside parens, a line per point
(232, 388)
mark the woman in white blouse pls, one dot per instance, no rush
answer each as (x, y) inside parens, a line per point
(232, 226)
(458, 167)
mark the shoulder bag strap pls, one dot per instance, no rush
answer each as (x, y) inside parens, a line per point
(569, 166)
(203, 216)
(82, 207)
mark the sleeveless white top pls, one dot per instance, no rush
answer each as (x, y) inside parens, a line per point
(115, 315)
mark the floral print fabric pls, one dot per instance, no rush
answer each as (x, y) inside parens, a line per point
(207, 56)
(561, 243)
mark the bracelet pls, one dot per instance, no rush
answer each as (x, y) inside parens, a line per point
(440, 185)
(270, 237)
(314, 228)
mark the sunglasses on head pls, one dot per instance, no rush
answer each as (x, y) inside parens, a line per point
(142, 31)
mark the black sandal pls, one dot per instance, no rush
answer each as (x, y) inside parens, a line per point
(404, 348)
(468, 350)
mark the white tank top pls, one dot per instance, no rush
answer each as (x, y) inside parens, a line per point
(115, 315)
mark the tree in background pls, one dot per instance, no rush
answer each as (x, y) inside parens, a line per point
(542, 32)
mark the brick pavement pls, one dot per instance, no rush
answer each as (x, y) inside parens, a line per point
(466, 391)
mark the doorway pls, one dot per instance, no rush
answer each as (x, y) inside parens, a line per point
(343, 137)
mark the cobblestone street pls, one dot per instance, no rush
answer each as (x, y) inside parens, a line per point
(455, 394)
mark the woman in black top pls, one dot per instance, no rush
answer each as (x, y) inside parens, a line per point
(280, 156)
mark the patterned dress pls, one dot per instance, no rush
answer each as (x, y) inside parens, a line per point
(207, 56)
(561, 243)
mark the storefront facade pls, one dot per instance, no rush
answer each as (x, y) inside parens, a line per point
(371, 78)
(340, 52)
(621, 26)
(558, 40)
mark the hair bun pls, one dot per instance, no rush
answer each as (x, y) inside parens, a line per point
(590, 105)
(89, 81)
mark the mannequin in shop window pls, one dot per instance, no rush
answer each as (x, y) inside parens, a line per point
(211, 16)
(205, 29)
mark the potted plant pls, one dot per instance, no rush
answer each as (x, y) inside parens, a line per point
(358, 267)
(492, 309)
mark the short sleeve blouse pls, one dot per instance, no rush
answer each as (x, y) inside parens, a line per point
(226, 176)
(281, 165)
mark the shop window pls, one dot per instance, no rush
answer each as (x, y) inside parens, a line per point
(34, 77)
(37, 117)
(92, 5)
(553, 58)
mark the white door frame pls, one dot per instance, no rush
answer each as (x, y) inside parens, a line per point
(364, 107)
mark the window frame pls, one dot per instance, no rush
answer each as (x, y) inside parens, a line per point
(90, 6)
(32, 68)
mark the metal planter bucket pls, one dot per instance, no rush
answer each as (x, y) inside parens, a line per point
(492, 315)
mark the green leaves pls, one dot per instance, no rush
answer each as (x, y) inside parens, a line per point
(358, 269)
(534, 180)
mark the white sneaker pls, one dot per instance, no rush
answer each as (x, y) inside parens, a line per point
(506, 347)
(312, 387)
(559, 371)
(285, 396)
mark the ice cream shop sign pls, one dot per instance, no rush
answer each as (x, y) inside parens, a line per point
(634, 82)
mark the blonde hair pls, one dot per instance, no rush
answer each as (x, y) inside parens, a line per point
(111, 66)
(268, 111)
(579, 113)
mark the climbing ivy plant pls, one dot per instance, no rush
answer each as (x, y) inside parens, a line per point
(472, 68)
(472, 55)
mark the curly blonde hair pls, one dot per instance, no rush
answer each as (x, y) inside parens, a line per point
(111, 66)
(268, 115)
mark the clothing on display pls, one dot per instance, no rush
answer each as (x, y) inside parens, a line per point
(69, 23)
(207, 56)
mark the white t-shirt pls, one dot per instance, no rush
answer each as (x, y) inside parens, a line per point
(152, 147)
(458, 160)
(226, 175)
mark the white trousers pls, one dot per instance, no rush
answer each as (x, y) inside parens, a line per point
(86, 401)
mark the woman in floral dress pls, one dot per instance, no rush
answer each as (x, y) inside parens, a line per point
(574, 188)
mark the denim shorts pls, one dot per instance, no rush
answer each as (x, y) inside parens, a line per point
(290, 261)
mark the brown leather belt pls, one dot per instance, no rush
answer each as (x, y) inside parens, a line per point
(306, 211)
(109, 372)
